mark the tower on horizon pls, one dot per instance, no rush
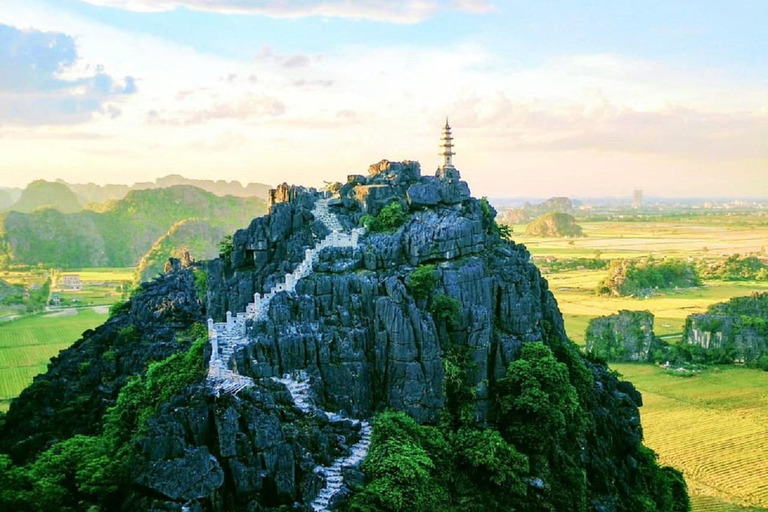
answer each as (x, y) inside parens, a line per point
(637, 198)
(446, 147)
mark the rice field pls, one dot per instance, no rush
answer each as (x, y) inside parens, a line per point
(713, 427)
(27, 344)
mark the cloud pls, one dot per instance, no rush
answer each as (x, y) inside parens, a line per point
(599, 125)
(247, 107)
(266, 55)
(394, 11)
(39, 83)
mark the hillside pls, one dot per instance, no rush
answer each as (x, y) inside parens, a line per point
(200, 238)
(6, 199)
(420, 365)
(93, 193)
(554, 225)
(42, 194)
(119, 234)
(532, 211)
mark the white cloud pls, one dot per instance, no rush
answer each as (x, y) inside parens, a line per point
(395, 11)
(42, 80)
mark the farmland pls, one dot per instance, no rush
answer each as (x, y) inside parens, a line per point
(689, 238)
(28, 343)
(712, 426)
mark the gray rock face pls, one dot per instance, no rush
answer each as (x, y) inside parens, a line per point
(195, 475)
(355, 327)
(423, 194)
(738, 329)
(625, 336)
(356, 331)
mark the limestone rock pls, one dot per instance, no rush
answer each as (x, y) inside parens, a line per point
(423, 194)
(625, 336)
(737, 329)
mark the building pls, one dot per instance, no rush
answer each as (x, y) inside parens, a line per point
(71, 282)
(56, 300)
(637, 198)
(446, 147)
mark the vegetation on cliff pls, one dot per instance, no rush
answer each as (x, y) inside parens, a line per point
(733, 331)
(92, 470)
(544, 422)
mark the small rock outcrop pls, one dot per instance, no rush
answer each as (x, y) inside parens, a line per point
(554, 225)
(625, 336)
(736, 330)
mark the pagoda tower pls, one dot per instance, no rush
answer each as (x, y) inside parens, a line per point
(446, 147)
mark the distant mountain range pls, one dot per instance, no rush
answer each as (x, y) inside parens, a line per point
(71, 197)
(119, 232)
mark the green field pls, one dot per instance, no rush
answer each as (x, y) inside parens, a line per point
(712, 426)
(27, 344)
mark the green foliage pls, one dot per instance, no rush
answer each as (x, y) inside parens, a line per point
(141, 394)
(402, 472)
(226, 246)
(642, 277)
(119, 308)
(492, 227)
(389, 219)
(446, 309)
(553, 265)
(486, 455)
(201, 284)
(421, 468)
(734, 268)
(421, 283)
(537, 402)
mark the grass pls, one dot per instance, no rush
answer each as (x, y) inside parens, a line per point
(713, 427)
(575, 295)
(27, 344)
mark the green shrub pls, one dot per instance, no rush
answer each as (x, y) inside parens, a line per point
(226, 247)
(633, 277)
(201, 284)
(389, 219)
(421, 283)
(446, 309)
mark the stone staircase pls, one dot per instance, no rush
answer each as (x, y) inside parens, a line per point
(299, 387)
(227, 337)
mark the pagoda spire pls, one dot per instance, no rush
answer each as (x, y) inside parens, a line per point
(446, 146)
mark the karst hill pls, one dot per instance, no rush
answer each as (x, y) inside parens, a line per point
(378, 348)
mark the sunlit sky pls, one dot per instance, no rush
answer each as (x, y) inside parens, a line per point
(546, 98)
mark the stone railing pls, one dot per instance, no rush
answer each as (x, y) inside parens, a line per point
(226, 337)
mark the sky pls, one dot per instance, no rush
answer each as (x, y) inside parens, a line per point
(548, 98)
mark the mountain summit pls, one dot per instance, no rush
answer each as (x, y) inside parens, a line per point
(375, 348)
